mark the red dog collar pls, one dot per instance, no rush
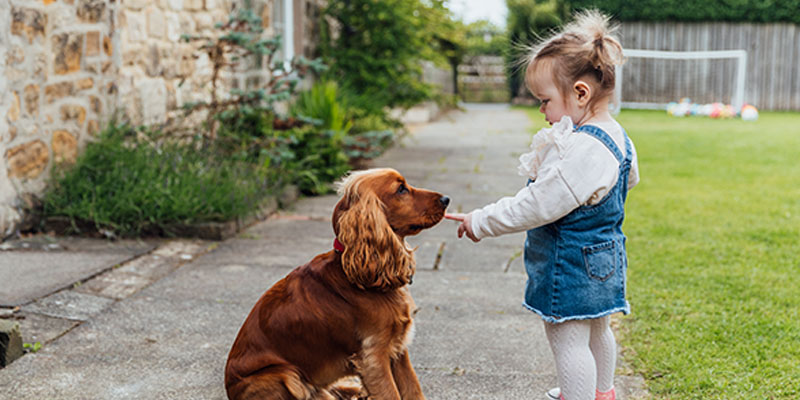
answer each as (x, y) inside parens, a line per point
(337, 245)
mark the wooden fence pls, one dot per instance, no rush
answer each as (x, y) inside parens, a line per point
(773, 63)
(483, 79)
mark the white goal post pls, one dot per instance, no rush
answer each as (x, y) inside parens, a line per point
(737, 98)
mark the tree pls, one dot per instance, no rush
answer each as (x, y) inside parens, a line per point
(528, 21)
(484, 38)
(374, 48)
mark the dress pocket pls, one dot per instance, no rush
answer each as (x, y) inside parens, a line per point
(601, 260)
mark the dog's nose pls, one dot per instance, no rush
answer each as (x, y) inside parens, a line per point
(445, 201)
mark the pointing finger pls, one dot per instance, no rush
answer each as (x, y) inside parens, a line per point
(455, 216)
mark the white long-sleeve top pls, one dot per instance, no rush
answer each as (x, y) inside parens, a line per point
(568, 168)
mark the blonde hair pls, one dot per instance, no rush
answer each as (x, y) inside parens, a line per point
(584, 47)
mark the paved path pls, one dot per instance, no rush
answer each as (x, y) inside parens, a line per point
(163, 328)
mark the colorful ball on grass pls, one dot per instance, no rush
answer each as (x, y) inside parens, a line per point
(683, 108)
(727, 111)
(716, 110)
(749, 113)
(671, 106)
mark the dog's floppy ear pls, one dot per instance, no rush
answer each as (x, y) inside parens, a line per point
(342, 206)
(374, 257)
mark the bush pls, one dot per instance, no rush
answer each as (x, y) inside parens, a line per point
(128, 184)
(361, 135)
(366, 122)
(318, 159)
(299, 153)
(367, 145)
(322, 103)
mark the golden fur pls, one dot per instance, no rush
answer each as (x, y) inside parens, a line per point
(342, 314)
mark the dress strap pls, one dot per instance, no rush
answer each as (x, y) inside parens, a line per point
(604, 138)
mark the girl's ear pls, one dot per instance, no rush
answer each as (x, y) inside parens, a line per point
(374, 257)
(582, 92)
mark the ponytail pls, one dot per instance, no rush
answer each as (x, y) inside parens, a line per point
(585, 46)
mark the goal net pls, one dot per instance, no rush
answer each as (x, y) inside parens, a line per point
(651, 79)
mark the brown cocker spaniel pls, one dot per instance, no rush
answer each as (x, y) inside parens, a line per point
(347, 312)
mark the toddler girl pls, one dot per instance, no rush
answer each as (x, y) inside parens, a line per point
(579, 173)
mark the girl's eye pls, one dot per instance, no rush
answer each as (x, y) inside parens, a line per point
(544, 102)
(402, 189)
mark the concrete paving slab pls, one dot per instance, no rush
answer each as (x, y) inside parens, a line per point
(224, 282)
(31, 274)
(122, 282)
(320, 207)
(148, 358)
(466, 255)
(42, 328)
(68, 304)
(453, 385)
(83, 244)
(114, 284)
(281, 241)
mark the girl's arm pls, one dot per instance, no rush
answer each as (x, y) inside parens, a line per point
(562, 185)
(539, 203)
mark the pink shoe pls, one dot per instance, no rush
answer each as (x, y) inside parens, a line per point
(555, 394)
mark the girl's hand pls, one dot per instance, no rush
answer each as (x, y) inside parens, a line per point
(465, 226)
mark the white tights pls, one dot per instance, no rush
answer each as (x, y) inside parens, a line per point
(586, 354)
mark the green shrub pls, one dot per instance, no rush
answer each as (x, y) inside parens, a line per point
(367, 145)
(318, 158)
(306, 155)
(361, 133)
(322, 102)
(366, 122)
(133, 186)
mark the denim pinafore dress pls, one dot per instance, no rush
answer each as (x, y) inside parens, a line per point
(576, 266)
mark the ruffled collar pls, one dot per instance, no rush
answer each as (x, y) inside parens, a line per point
(559, 136)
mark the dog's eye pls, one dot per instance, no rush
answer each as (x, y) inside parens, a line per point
(402, 189)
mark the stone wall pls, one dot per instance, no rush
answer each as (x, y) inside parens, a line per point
(57, 85)
(153, 60)
(68, 66)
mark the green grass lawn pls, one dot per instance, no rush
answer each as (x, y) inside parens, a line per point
(714, 256)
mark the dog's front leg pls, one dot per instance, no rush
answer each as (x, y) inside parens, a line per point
(375, 369)
(405, 378)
